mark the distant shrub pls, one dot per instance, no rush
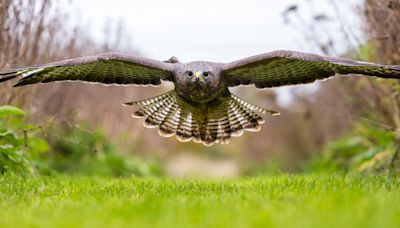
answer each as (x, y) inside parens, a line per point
(368, 149)
(78, 151)
(20, 143)
(71, 150)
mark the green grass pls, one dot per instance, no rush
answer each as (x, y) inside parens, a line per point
(282, 201)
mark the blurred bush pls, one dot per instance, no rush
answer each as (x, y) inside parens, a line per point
(77, 151)
(370, 143)
(20, 143)
(28, 149)
(40, 31)
(367, 149)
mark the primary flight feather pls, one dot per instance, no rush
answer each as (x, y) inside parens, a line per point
(200, 108)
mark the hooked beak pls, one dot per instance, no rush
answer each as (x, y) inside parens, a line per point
(197, 77)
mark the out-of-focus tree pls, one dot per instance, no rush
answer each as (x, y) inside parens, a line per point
(372, 103)
(40, 31)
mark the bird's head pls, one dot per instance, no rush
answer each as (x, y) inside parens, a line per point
(198, 81)
(198, 77)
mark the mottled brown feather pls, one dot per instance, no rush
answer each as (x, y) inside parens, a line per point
(281, 68)
(231, 117)
(108, 68)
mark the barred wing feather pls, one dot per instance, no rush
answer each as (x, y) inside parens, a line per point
(108, 68)
(281, 68)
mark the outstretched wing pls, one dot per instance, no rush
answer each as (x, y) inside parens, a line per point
(108, 68)
(280, 68)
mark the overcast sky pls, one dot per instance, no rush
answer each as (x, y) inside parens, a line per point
(216, 30)
(213, 30)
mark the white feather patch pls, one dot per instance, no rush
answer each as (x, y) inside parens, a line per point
(25, 73)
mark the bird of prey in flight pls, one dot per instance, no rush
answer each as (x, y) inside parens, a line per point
(201, 107)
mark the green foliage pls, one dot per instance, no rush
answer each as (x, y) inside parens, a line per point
(81, 152)
(20, 142)
(283, 201)
(7, 110)
(70, 150)
(367, 149)
(366, 51)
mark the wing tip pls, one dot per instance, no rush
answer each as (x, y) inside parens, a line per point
(5, 76)
(22, 82)
(23, 74)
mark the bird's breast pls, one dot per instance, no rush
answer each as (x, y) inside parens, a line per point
(199, 93)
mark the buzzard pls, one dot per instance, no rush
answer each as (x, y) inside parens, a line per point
(201, 107)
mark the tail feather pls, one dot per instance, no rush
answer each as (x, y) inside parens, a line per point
(225, 130)
(184, 131)
(253, 107)
(169, 125)
(195, 131)
(173, 116)
(158, 115)
(235, 124)
(209, 132)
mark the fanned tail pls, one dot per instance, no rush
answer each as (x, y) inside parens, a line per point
(229, 117)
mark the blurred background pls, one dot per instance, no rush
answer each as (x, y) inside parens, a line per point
(346, 124)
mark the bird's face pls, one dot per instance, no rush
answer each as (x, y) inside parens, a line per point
(198, 81)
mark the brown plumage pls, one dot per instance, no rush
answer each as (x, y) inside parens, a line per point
(201, 108)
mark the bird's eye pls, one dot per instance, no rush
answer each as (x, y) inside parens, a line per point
(189, 73)
(205, 74)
